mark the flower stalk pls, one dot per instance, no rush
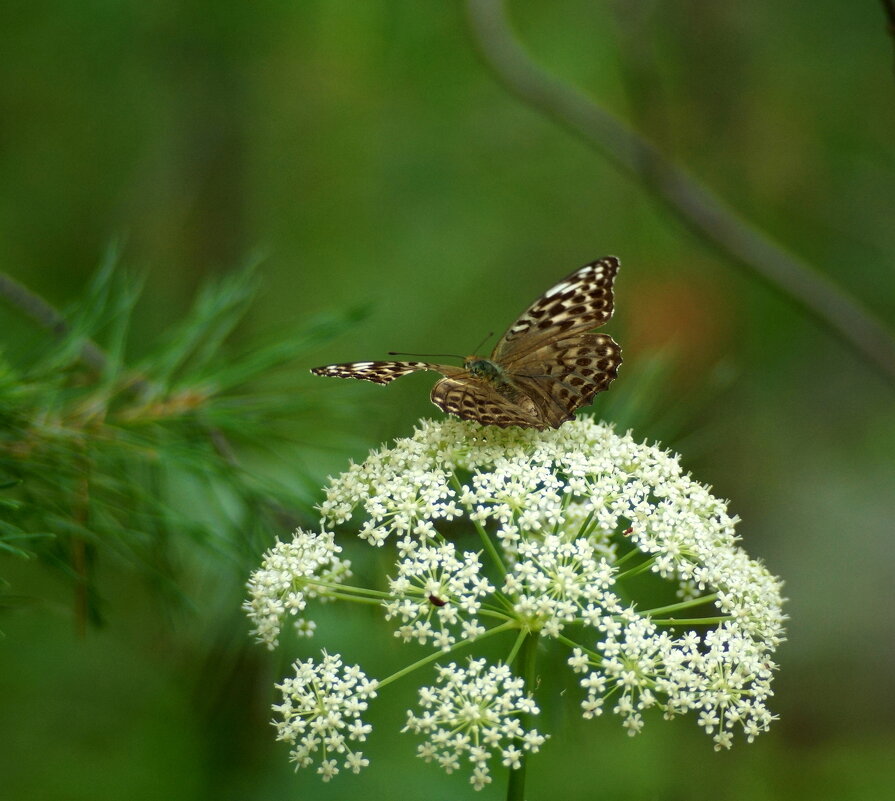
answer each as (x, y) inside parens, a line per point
(527, 659)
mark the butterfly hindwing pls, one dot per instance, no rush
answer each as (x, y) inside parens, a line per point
(564, 376)
(580, 302)
(476, 400)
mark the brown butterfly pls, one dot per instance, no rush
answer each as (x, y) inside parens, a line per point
(541, 370)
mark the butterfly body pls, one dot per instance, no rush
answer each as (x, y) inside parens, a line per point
(541, 370)
(484, 369)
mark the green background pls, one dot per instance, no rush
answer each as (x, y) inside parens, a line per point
(363, 148)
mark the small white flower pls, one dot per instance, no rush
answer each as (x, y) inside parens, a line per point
(291, 573)
(321, 711)
(472, 714)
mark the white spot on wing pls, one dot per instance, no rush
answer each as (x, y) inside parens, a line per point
(558, 288)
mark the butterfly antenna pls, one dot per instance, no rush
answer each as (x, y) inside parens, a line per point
(483, 342)
(426, 355)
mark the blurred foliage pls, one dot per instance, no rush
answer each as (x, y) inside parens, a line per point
(103, 456)
(365, 148)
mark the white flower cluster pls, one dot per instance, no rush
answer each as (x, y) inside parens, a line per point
(564, 521)
(393, 505)
(555, 582)
(524, 482)
(433, 583)
(574, 510)
(291, 573)
(321, 711)
(470, 715)
(724, 677)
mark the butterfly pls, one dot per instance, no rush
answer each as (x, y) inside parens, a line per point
(546, 365)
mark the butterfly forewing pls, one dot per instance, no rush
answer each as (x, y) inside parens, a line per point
(380, 372)
(580, 302)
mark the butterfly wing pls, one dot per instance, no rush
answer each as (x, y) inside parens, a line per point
(550, 365)
(565, 375)
(473, 399)
(382, 372)
(580, 302)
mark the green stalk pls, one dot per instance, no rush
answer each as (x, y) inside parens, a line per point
(691, 621)
(433, 656)
(663, 610)
(341, 596)
(526, 659)
(486, 540)
(348, 588)
(596, 657)
(634, 571)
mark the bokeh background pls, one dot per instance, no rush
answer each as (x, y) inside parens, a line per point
(367, 153)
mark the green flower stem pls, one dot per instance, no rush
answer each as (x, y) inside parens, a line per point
(625, 557)
(346, 592)
(517, 645)
(562, 507)
(691, 621)
(348, 588)
(484, 612)
(572, 644)
(343, 596)
(662, 610)
(584, 531)
(432, 657)
(486, 540)
(527, 660)
(635, 571)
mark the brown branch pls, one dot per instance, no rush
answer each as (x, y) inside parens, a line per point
(701, 210)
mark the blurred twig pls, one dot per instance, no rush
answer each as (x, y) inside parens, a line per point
(48, 317)
(889, 9)
(700, 209)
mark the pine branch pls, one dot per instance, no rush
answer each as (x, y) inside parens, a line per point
(129, 461)
(698, 208)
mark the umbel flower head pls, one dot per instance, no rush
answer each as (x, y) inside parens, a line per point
(321, 712)
(548, 536)
(292, 573)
